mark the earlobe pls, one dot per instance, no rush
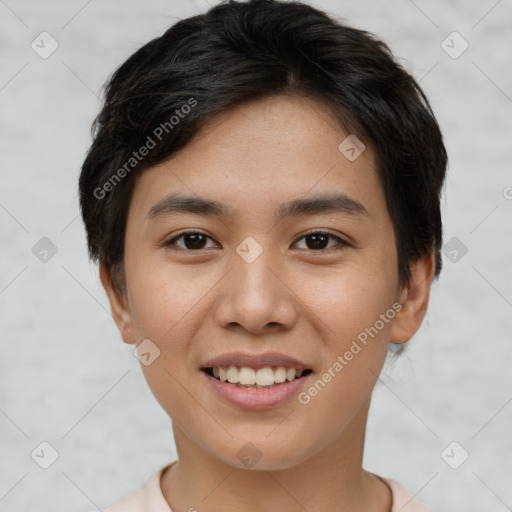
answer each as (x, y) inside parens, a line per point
(118, 305)
(414, 300)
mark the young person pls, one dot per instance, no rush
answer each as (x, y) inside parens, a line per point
(262, 195)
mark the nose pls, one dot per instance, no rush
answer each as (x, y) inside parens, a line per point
(256, 297)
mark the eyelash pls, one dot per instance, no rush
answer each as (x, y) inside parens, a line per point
(341, 243)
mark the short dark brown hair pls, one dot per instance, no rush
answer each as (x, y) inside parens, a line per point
(241, 51)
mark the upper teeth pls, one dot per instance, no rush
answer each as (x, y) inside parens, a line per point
(262, 377)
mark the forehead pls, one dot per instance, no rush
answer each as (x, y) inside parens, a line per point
(270, 151)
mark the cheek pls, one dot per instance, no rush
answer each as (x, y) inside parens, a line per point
(162, 303)
(355, 344)
(167, 308)
(354, 311)
(345, 303)
(163, 298)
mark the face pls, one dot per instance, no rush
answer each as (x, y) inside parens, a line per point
(202, 283)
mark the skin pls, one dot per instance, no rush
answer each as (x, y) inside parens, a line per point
(309, 303)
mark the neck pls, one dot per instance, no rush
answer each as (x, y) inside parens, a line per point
(330, 479)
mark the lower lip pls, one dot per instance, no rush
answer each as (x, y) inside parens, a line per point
(248, 398)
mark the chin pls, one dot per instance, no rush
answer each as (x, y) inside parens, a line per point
(265, 457)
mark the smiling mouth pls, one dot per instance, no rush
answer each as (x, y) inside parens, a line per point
(249, 378)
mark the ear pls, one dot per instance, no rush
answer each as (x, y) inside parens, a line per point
(118, 305)
(414, 300)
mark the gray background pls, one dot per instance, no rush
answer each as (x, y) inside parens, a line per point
(68, 379)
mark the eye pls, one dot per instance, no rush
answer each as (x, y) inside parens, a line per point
(193, 240)
(317, 240)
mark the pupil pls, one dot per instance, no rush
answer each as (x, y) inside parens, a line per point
(196, 240)
(318, 238)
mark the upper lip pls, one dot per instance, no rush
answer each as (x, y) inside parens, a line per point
(255, 361)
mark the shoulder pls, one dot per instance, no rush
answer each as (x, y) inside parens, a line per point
(133, 502)
(402, 499)
(147, 499)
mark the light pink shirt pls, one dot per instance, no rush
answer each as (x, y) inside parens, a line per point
(151, 499)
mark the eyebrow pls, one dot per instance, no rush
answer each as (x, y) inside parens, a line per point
(327, 203)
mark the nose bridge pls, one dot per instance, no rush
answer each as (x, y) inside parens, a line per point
(252, 278)
(253, 296)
